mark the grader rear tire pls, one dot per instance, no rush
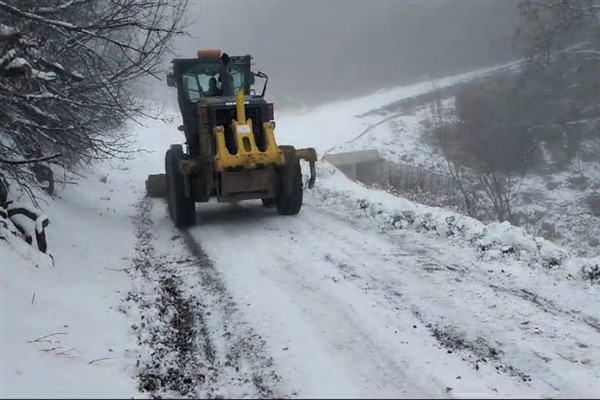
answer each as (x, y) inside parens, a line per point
(289, 193)
(181, 208)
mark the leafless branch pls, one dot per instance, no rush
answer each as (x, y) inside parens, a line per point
(30, 161)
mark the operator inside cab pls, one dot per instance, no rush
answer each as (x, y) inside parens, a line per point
(213, 89)
(214, 77)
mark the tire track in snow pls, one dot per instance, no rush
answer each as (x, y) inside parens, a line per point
(246, 349)
(385, 284)
(195, 347)
(494, 346)
(429, 260)
(394, 292)
(352, 323)
(179, 354)
(549, 306)
(388, 373)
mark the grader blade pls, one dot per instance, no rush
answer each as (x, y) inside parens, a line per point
(156, 186)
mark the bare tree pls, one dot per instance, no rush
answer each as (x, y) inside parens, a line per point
(486, 153)
(562, 42)
(552, 26)
(69, 77)
(441, 117)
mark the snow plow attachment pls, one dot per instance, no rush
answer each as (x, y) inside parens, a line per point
(156, 184)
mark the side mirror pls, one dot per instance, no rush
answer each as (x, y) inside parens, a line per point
(180, 128)
(265, 77)
(170, 79)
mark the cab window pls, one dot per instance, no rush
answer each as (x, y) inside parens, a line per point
(196, 79)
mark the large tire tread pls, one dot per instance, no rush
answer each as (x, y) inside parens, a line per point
(181, 209)
(289, 193)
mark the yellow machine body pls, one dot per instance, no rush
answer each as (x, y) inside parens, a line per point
(248, 155)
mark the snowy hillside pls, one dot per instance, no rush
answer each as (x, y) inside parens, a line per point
(362, 294)
(553, 205)
(332, 125)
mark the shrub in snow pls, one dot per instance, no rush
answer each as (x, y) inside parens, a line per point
(24, 222)
(591, 273)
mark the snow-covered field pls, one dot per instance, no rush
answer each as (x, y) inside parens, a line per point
(361, 295)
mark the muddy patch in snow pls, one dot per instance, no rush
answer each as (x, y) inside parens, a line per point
(543, 303)
(346, 271)
(245, 352)
(475, 351)
(177, 357)
(593, 323)
(181, 342)
(192, 343)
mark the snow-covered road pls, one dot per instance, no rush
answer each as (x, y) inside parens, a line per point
(347, 311)
(328, 304)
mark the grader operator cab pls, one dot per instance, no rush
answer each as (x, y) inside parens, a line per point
(231, 151)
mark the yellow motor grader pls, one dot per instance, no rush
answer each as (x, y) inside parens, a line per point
(231, 151)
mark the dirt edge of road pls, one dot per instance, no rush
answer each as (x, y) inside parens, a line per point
(191, 335)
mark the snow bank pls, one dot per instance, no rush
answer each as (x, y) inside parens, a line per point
(61, 334)
(39, 355)
(336, 192)
(12, 246)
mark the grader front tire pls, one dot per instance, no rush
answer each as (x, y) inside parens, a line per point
(289, 193)
(181, 208)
